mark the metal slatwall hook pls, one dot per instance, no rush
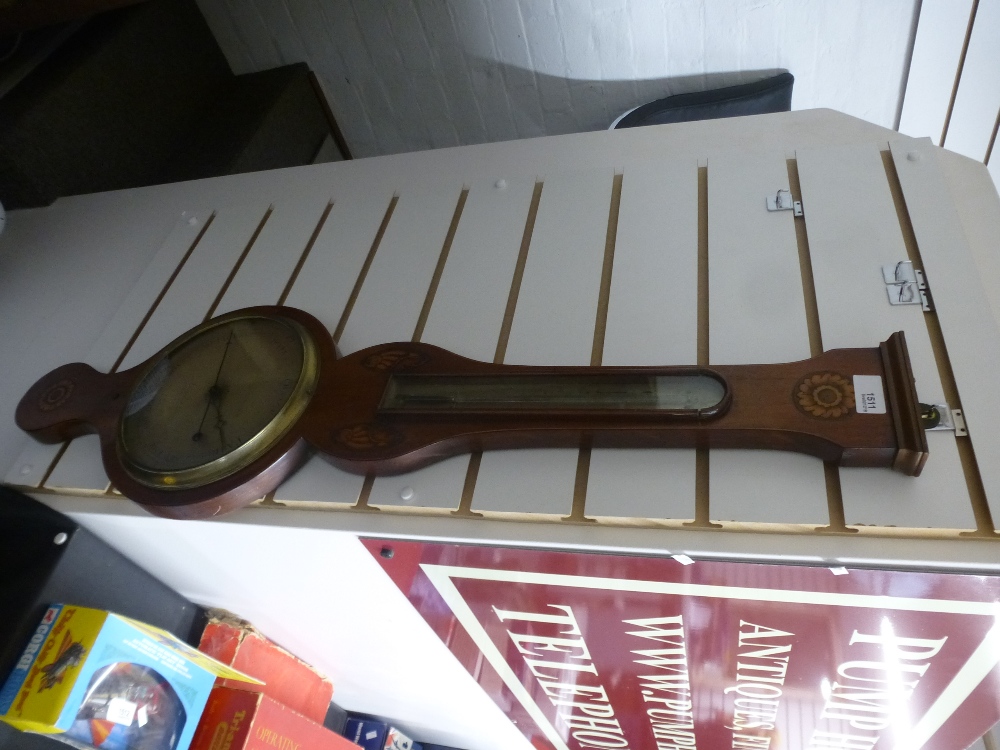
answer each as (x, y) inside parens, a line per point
(906, 285)
(782, 201)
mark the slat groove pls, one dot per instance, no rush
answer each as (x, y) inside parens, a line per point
(55, 462)
(515, 282)
(580, 481)
(366, 492)
(993, 139)
(239, 262)
(835, 500)
(805, 266)
(138, 331)
(469, 488)
(703, 291)
(363, 273)
(601, 322)
(269, 501)
(579, 510)
(418, 330)
(831, 473)
(966, 453)
(958, 72)
(305, 254)
(702, 467)
(475, 460)
(162, 294)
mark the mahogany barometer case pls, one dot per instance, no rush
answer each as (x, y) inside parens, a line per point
(221, 415)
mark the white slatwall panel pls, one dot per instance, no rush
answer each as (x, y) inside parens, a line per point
(436, 486)
(35, 459)
(190, 297)
(268, 266)
(466, 317)
(393, 295)
(553, 325)
(853, 231)
(933, 66)
(141, 298)
(757, 315)
(322, 289)
(31, 463)
(80, 467)
(317, 480)
(557, 304)
(972, 336)
(183, 306)
(388, 307)
(974, 197)
(338, 255)
(47, 317)
(472, 295)
(652, 320)
(539, 480)
(978, 99)
(394, 291)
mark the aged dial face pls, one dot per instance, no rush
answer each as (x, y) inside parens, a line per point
(216, 400)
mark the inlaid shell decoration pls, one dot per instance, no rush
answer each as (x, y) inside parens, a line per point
(366, 437)
(825, 395)
(56, 396)
(394, 359)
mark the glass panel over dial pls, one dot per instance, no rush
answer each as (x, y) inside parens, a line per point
(688, 392)
(212, 395)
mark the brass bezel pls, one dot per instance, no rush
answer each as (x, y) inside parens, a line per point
(251, 450)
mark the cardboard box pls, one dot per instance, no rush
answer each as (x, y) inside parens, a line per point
(93, 678)
(81, 569)
(374, 734)
(242, 720)
(287, 679)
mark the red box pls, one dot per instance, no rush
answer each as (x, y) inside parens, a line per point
(287, 679)
(242, 720)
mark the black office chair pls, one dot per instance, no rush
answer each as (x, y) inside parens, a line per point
(772, 94)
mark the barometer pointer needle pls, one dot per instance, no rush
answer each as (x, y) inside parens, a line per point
(213, 392)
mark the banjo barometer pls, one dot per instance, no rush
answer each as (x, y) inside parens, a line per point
(222, 414)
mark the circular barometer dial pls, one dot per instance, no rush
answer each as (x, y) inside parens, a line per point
(221, 415)
(216, 400)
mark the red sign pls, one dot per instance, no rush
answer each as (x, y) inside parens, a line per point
(592, 651)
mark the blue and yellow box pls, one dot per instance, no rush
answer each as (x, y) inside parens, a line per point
(97, 679)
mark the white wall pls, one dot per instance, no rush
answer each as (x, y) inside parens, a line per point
(406, 75)
(953, 89)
